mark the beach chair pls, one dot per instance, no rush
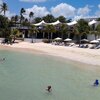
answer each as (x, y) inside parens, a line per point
(72, 44)
(93, 47)
(81, 46)
(86, 46)
(98, 47)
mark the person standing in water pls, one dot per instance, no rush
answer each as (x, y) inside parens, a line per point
(96, 83)
(49, 89)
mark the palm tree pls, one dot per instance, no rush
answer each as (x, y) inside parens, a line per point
(33, 31)
(4, 8)
(63, 30)
(98, 19)
(50, 30)
(49, 18)
(31, 15)
(81, 28)
(38, 19)
(26, 23)
(98, 30)
(14, 34)
(13, 18)
(22, 11)
(16, 19)
(62, 19)
(4, 26)
(93, 30)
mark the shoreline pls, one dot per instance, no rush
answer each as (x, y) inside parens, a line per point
(86, 56)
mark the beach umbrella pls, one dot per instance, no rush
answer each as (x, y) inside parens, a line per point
(58, 39)
(68, 40)
(94, 41)
(84, 40)
(98, 39)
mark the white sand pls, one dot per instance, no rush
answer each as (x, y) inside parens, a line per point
(88, 56)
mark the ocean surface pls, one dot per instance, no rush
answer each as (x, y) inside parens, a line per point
(25, 76)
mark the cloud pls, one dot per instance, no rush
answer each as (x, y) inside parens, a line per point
(63, 9)
(83, 11)
(1, 1)
(9, 14)
(32, 0)
(99, 6)
(77, 17)
(97, 13)
(38, 11)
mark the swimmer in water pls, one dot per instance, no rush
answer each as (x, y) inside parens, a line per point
(2, 59)
(96, 83)
(49, 89)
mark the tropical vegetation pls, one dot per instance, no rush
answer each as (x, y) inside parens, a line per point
(48, 31)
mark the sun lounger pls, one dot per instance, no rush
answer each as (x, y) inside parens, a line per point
(93, 47)
(86, 46)
(81, 46)
(72, 44)
(98, 47)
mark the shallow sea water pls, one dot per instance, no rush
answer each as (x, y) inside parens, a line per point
(25, 76)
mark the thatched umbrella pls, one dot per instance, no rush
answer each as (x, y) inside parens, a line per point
(67, 40)
(85, 41)
(94, 42)
(58, 39)
(98, 39)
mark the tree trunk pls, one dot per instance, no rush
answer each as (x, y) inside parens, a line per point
(95, 36)
(35, 36)
(15, 24)
(43, 35)
(79, 40)
(14, 39)
(51, 36)
(23, 36)
(48, 36)
(68, 35)
(20, 20)
(32, 38)
(4, 13)
(62, 35)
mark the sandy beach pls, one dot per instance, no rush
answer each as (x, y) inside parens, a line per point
(88, 56)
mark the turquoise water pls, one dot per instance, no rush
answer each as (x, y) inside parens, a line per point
(25, 76)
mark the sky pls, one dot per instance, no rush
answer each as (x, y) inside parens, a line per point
(74, 9)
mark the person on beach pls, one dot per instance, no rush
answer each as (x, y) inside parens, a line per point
(49, 89)
(96, 83)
